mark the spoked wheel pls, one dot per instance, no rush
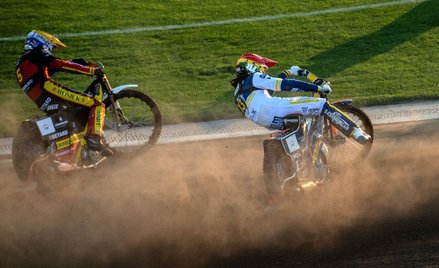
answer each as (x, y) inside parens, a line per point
(279, 171)
(136, 124)
(27, 147)
(344, 150)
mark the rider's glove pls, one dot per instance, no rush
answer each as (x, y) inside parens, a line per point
(99, 71)
(326, 89)
(295, 70)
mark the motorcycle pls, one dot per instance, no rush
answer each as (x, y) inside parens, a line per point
(300, 156)
(54, 143)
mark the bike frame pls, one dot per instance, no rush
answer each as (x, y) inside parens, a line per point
(108, 93)
(69, 149)
(297, 140)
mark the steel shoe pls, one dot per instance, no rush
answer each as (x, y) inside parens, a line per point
(94, 143)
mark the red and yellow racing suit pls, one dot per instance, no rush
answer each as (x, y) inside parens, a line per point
(33, 72)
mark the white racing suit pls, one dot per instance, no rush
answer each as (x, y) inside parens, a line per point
(255, 102)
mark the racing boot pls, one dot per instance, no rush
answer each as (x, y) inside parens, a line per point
(360, 136)
(94, 142)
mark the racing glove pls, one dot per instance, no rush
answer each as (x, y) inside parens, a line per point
(99, 71)
(326, 89)
(295, 70)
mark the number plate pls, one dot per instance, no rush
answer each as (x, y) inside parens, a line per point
(290, 143)
(46, 126)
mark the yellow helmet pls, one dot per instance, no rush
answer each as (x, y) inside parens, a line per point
(39, 38)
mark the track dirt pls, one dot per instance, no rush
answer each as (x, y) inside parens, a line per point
(202, 204)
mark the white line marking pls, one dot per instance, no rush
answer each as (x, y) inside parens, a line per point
(223, 22)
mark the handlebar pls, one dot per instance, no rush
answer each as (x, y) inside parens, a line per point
(322, 94)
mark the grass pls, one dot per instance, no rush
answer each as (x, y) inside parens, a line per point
(376, 56)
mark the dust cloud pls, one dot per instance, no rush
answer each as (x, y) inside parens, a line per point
(197, 204)
(9, 112)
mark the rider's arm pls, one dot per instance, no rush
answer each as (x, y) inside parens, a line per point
(292, 71)
(312, 77)
(71, 67)
(297, 71)
(297, 86)
(56, 64)
(277, 84)
(283, 75)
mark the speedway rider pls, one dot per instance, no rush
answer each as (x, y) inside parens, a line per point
(34, 70)
(252, 96)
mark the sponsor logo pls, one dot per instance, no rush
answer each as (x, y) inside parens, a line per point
(98, 117)
(251, 68)
(58, 135)
(74, 97)
(61, 124)
(241, 105)
(313, 110)
(52, 107)
(45, 104)
(63, 144)
(337, 119)
(252, 115)
(27, 85)
(277, 123)
(69, 95)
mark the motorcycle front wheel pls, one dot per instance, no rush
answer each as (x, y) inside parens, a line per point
(345, 151)
(134, 125)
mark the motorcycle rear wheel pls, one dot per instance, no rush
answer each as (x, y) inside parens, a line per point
(27, 146)
(277, 167)
(136, 125)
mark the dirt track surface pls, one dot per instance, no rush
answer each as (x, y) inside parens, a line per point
(202, 204)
